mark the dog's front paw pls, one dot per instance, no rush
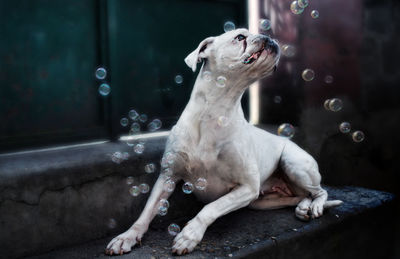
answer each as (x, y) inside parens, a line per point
(124, 242)
(189, 237)
(303, 209)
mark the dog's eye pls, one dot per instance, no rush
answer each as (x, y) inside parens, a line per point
(240, 37)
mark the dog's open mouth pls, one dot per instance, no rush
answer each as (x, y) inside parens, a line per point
(254, 56)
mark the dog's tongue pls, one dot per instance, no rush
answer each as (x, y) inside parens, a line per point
(250, 59)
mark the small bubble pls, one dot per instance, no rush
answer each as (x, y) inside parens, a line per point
(308, 74)
(117, 157)
(265, 24)
(178, 79)
(143, 117)
(104, 89)
(162, 211)
(150, 168)
(129, 180)
(154, 125)
(112, 223)
(201, 184)
(296, 8)
(144, 188)
(174, 229)
(328, 79)
(125, 155)
(345, 127)
(101, 73)
(221, 81)
(223, 121)
(314, 14)
(139, 148)
(288, 50)
(124, 122)
(134, 191)
(302, 3)
(169, 185)
(358, 136)
(229, 26)
(277, 99)
(335, 104)
(187, 188)
(133, 115)
(164, 203)
(286, 130)
(207, 76)
(135, 128)
(326, 104)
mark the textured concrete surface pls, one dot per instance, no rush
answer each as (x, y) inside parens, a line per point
(360, 228)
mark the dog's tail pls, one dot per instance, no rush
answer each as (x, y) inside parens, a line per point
(333, 203)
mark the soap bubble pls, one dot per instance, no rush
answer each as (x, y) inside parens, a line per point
(125, 155)
(169, 185)
(358, 136)
(286, 130)
(335, 104)
(117, 157)
(314, 14)
(223, 121)
(112, 223)
(150, 168)
(133, 115)
(302, 3)
(207, 76)
(101, 73)
(288, 50)
(277, 99)
(345, 127)
(187, 187)
(201, 184)
(229, 26)
(174, 229)
(265, 24)
(221, 81)
(326, 104)
(144, 188)
(295, 8)
(308, 74)
(154, 125)
(104, 89)
(328, 79)
(139, 148)
(134, 191)
(124, 122)
(164, 203)
(162, 211)
(178, 79)
(129, 180)
(143, 117)
(135, 128)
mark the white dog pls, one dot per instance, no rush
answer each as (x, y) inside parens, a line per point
(212, 140)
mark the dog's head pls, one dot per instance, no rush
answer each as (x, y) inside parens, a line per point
(237, 53)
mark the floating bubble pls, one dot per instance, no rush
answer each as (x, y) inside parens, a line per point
(154, 125)
(201, 184)
(162, 211)
(135, 128)
(358, 136)
(112, 223)
(129, 180)
(125, 155)
(314, 14)
(174, 229)
(223, 121)
(104, 89)
(328, 79)
(335, 104)
(302, 3)
(265, 24)
(124, 122)
(144, 188)
(139, 148)
(169, 185)
(187, 188)
(277, 99)
(117, 157)
(221, 81)
(178, 79)
(207, 76)
(308, 74)
(143, 117)
(101, 73)
(164, 203)
(150, 168)
(286, 130)
(133, 115)
(288, 50)
(229, 26)
(326, 104)
(134, 191)
(345, 127)
(295, 8)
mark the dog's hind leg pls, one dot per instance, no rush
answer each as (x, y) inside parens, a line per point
(302, 171)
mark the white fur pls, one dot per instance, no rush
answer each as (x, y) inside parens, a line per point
(237, 159)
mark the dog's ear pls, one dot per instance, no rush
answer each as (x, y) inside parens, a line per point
(201, 52)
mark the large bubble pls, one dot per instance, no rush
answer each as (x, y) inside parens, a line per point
(296, 8)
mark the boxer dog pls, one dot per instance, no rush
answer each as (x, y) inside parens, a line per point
(213, 141)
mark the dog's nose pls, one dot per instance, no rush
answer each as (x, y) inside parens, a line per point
(270, 44)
